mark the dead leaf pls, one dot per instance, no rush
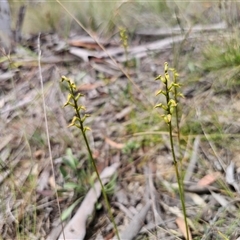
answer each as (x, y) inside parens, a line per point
(182, 227)
(208, 179)
(89, 86)
(88, 45)
(5, 140)
(52, 182)
(39, 154)
(224, 202)
(86, 42)
(197, 199)
(124, 113)
(114, 144)
(109, 236)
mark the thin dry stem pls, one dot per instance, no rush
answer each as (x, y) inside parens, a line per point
(46, 125)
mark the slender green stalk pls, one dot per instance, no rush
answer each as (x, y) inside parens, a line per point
(169, 108)
(78, 121)
(179, 180)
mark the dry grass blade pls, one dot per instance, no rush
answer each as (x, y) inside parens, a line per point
(197, 199)
(46, 122)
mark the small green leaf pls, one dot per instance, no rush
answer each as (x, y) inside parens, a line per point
(111, 185)
(98, 206)
(67, 212)
(63, 171)
(70, 160)
(69, 163)
(69, 152)
(70, 185)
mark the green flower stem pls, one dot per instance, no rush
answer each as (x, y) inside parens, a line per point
(175, 162)
(169, 108)
(99, 178)
(179, 180)
(83, 129)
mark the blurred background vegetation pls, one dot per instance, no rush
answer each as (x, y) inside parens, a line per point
(106, 16)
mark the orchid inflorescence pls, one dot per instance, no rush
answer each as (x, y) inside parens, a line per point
(170, 93)
(72, 101)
